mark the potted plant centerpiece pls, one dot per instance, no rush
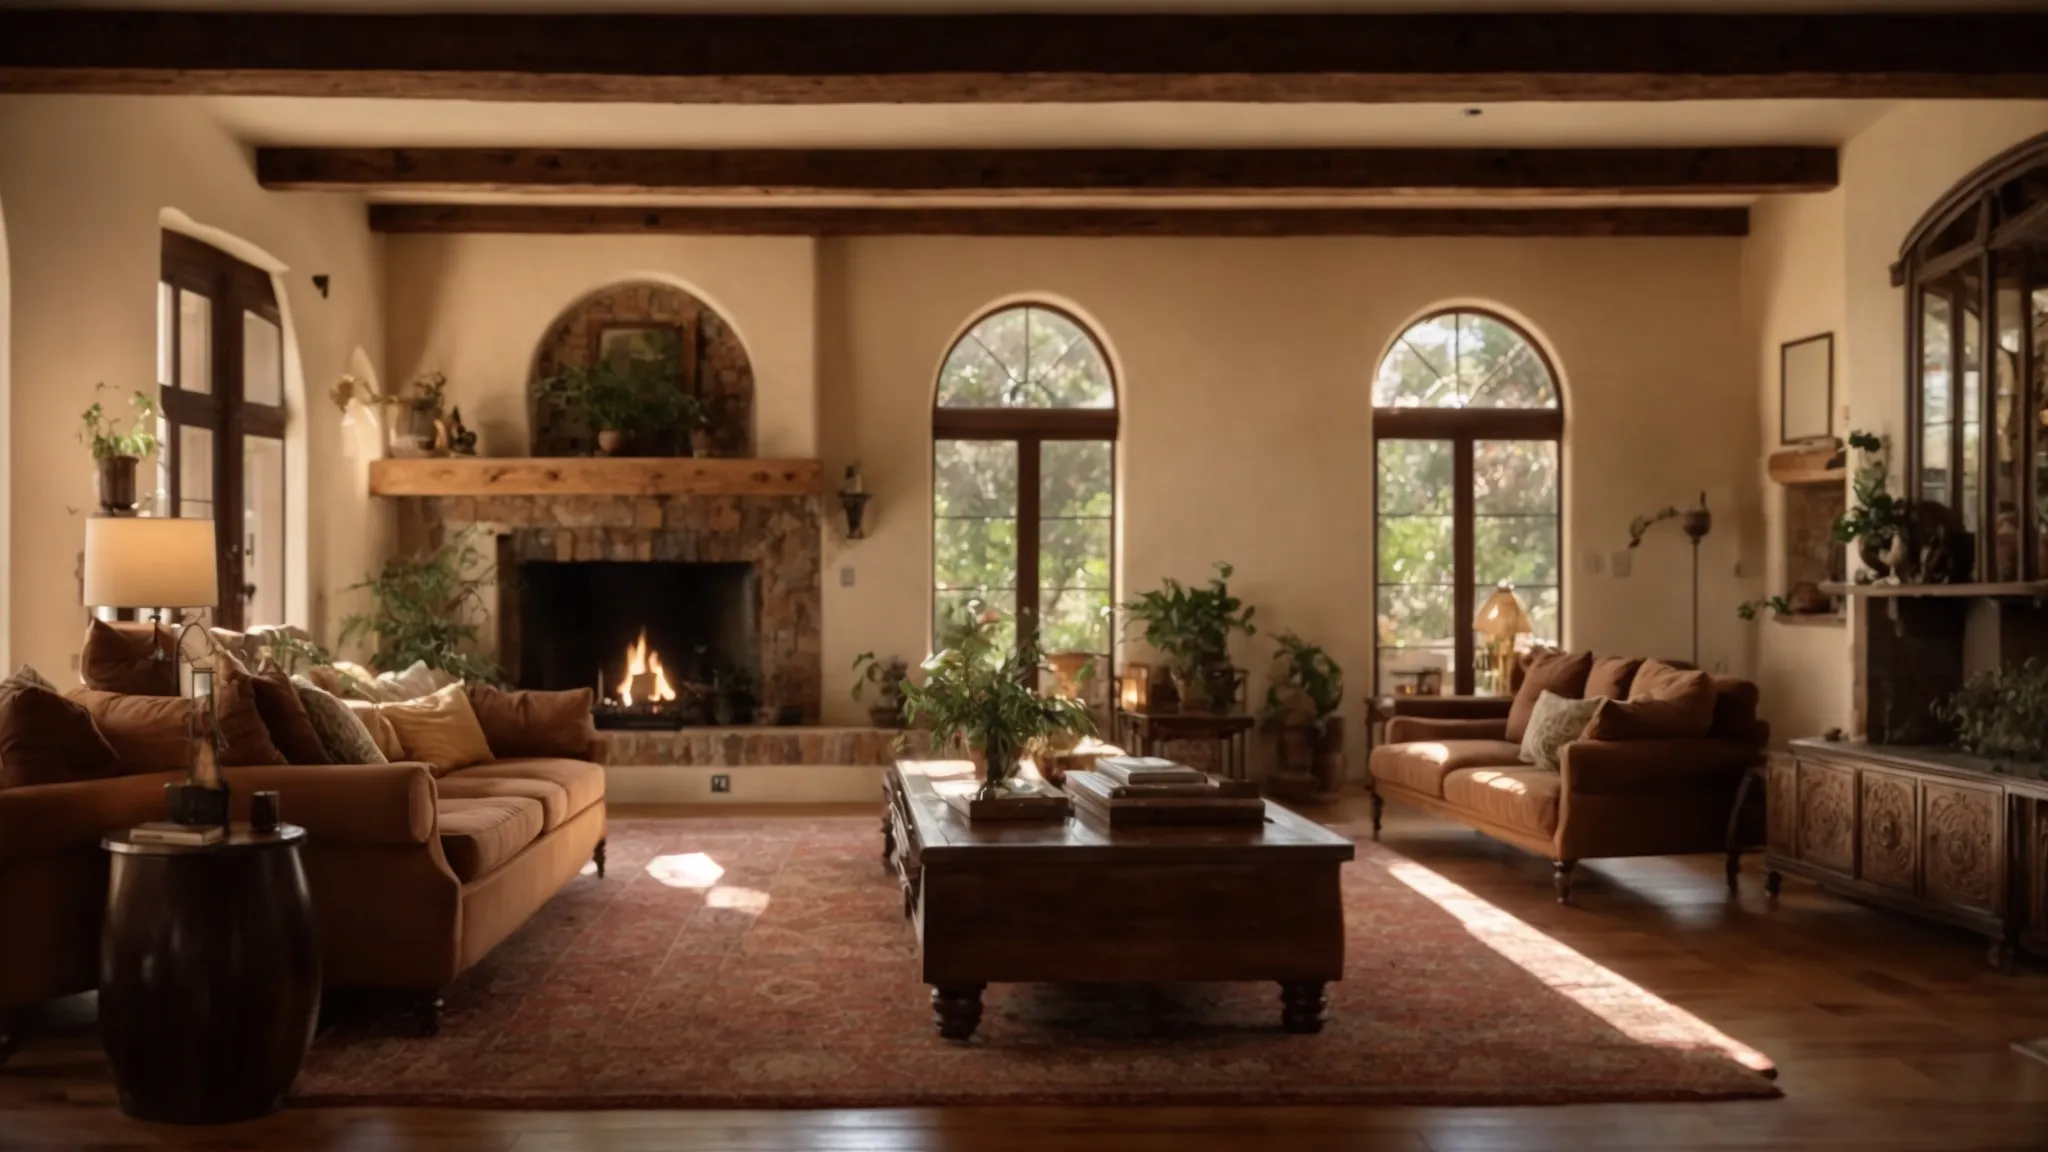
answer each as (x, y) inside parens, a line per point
(1191, 628)
(887, 676)
(117, 452)
(989, 706)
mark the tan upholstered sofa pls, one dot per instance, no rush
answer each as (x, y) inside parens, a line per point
(1639, 797)
(414, 877)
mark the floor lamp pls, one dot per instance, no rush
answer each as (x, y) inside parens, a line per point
(1696, 523)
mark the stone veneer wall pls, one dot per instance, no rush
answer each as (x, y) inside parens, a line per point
(777, 534)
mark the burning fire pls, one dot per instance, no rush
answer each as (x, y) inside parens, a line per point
(644, 672)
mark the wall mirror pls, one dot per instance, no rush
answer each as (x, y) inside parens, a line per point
(1806, 389)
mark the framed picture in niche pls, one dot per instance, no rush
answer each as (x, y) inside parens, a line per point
(1806, 389)
(667, 344)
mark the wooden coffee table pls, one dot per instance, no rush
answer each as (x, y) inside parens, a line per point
(1076, 902)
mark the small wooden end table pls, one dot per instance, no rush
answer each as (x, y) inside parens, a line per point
(209, 975)
(1143, 732)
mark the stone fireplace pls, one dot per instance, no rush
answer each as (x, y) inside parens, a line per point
(598, 622)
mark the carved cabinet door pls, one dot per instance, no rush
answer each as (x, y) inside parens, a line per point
(1888, 832)
(1827, 816)
(1781, 807)
(1963, 845)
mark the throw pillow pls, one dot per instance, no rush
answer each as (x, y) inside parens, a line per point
(147, 733)
(27, 676)
(1556, 722)
(1663, 703)
(1612, 676)
(380, 728)
(234, 710)
(531, 723)
(440, 730)
(413, 683)
(46, 739)
(1561, 672)
(290, 728)
(341, 734)
(130, 657)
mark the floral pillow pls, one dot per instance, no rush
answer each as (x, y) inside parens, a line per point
(1556, 722)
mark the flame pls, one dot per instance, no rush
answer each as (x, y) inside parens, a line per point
(642, 660)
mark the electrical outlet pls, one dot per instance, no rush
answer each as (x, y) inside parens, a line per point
(846, 576)
(721, 783)
(1623, 564)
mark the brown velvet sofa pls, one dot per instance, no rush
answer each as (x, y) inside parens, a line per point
(414, 878)
(1607, 798)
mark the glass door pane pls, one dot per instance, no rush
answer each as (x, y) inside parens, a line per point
(974, 534)
(1416, 561)
(1515, 536)
(1937, 387)
(1971, 428)
(2008, 414)
(262, 361)
(195, 341)
(262, 531)
(195, 472)
(1075, 481)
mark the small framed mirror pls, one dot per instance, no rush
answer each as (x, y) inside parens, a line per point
(1806, 389)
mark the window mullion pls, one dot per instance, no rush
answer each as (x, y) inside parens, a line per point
(1028, 449)
(1464, 564)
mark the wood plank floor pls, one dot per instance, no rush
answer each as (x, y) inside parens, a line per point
(1891, 1036)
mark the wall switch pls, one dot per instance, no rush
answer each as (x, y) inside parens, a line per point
(1595, 561)
(846, 576)
(1623, 564)
(721, 783)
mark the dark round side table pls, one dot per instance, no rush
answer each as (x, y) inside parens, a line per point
(209, 975)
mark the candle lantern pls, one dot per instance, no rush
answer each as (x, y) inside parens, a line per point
(1135, 690)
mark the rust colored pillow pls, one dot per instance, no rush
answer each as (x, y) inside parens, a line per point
(291, 729)
(1664, 702)
(532, 723)
(1612, 676)
(1561, 672)
(147, 733)
(46, 739)
(234, 709)
(129, 657)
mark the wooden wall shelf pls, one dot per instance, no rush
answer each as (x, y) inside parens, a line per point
(1795, 466)
(2023, 589)
(594, 476)
(1814, 620)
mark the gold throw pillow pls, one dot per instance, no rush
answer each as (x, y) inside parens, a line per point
(440, 729)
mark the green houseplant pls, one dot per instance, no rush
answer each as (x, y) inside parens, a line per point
(887, 677)
(117, 452)
(1877, 515)
(990, 708)
(422, 609)
(1304, 690)
(1191, 627)
(2002, 713)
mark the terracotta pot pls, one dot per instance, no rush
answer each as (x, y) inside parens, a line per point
(1192, 688)
(885, 717)
(117, 485)
(608, 441)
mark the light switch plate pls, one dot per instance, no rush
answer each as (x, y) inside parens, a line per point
(846, 576)
(1623, 565)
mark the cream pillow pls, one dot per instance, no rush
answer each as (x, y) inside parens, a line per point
(381, 732)
(440, 729)
(1556, 722)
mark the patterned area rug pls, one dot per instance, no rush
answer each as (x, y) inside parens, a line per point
(731, 962)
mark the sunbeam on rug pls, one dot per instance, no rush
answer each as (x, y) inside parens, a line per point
(767, 963)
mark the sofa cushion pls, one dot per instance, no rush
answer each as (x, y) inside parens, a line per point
(148, 733)
(563, 787)
(234, 710)
(1611, 676)
(520, 724)
(479, 835)
(439, 729)
(129, 657)
(1421, 766)
(291, 729)
(1735, 705)
(46, 739)
(341, 733)
(1519, 798)
(382, 734)
(1664, 702)
(1561, 672)
(1556, 723)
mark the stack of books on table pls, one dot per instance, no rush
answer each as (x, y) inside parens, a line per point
(1128, 791)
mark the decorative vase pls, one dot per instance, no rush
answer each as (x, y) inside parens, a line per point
(886, 716)
(1192, 690)
(608, 441)
(117, 485)
(996, 762)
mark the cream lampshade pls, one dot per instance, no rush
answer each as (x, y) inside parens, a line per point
(150, 562)
(1503, 618)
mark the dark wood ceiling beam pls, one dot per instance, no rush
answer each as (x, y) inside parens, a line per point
(525, 219)
(1010, 58)
(1134, 172)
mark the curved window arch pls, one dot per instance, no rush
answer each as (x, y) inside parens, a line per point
(1467, 424)
(1024, 426)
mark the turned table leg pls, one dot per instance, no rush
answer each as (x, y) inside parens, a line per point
(597, 857)
(1561, 879)
(1379, 808)
(956, 1010)
(1301, 1006)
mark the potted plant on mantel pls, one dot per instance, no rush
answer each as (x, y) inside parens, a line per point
(1191, 629)
(631, 400)
(987, 706)
(117, 452)
(1305, 690)
(1875, 521)
(887, 676)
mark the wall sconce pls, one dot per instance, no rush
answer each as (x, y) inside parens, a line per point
(853, 500)
(1134, 691)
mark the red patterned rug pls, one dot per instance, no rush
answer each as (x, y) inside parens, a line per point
(756, 962)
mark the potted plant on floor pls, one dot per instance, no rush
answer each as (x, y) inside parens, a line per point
(1191, 628)
(887, 677)
(117, 453)
(989, 708)
(1305, 691)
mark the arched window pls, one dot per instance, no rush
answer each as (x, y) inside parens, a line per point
(1466, 425)
(1023, 480)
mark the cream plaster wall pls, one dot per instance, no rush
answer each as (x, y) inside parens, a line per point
(85, 181)
(1792, 288)
(476, 308)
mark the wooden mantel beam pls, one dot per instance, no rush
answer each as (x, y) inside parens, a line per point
(593, 476)
(1059, 171)
(730, 58)
(546, 219)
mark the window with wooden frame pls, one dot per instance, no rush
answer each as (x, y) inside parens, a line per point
(1467, 423)
(220, 378)
(1024, 434)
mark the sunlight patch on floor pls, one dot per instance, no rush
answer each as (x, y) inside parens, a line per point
(750, 900)
(1629, 1008)
(685, 870)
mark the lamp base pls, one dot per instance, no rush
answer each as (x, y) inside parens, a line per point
(197, 804)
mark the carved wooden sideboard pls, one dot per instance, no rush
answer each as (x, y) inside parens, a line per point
(1923, 830)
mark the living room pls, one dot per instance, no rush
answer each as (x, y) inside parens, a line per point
(1250, 276)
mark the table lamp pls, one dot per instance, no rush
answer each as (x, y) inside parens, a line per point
(1502, 618)
(157, 563)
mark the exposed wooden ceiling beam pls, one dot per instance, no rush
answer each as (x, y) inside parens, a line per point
(997, 58)
(993, 221)
(978, 172)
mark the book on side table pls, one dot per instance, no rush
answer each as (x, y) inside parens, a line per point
(165, 832)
